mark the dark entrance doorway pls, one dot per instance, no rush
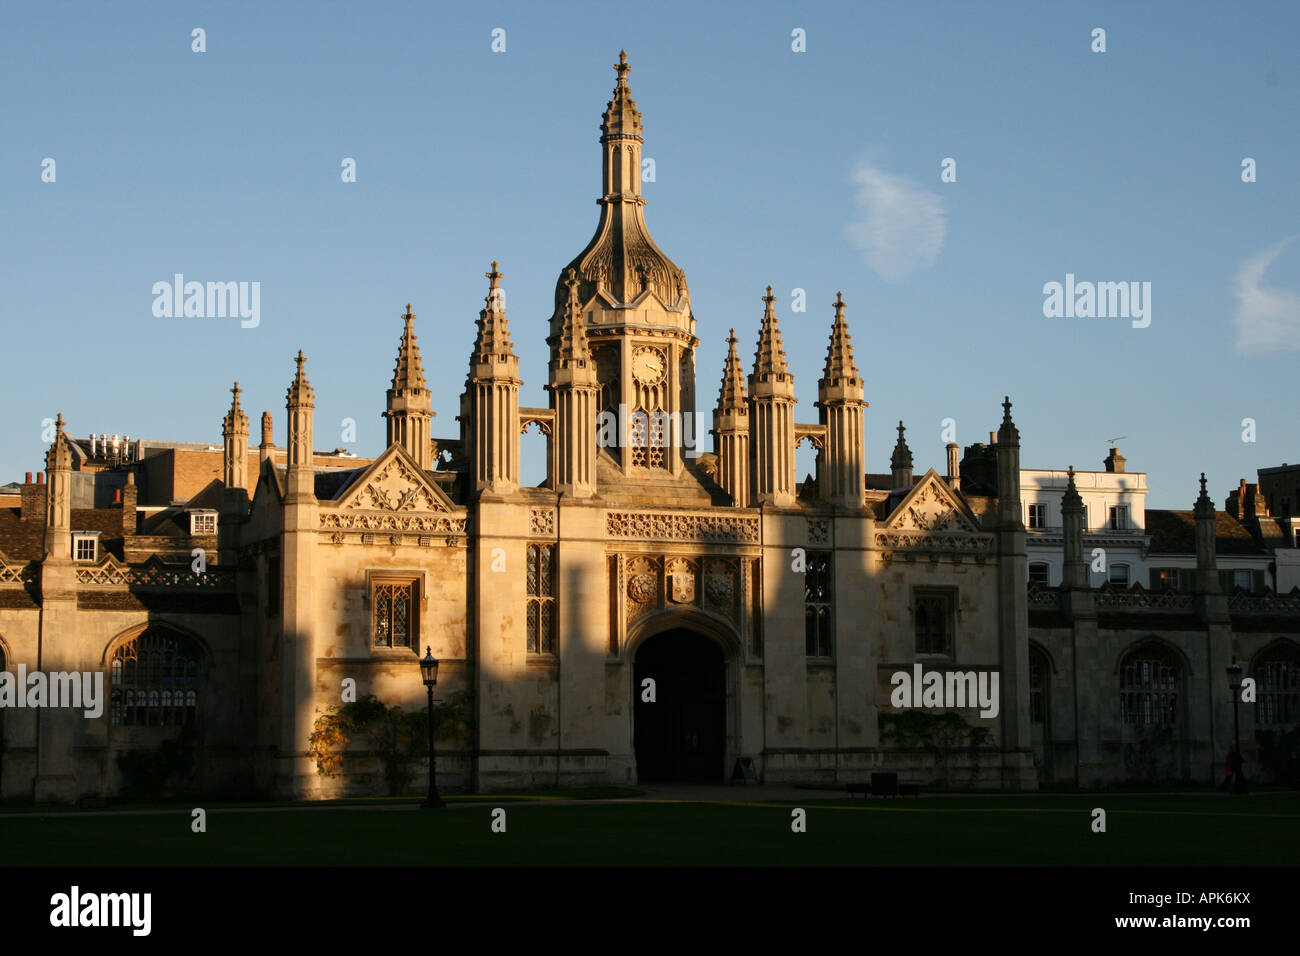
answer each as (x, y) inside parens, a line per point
(682, 734)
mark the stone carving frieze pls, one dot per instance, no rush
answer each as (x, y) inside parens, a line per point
(682, 526)
(370, 521)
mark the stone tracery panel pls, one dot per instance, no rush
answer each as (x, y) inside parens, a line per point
(682, 526)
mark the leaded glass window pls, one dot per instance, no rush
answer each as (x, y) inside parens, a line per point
(394, 606)
(541, 599)
(817, 604)
(1277, 676)
(1149, 687)
(934, 625)
(153, 681)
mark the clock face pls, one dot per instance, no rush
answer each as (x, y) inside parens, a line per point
(648, 366)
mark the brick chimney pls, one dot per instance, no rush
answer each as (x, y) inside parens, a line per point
(1245, 502)
(33, 498)
(1115, 462)
(130, 495)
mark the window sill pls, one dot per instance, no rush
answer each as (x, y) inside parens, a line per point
(394, 653)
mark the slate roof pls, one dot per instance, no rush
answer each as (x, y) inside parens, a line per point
(1174, 532)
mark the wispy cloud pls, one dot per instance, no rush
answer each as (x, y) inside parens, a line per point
(1267, 320)
(899, 224)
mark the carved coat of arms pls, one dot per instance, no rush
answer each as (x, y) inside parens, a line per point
(682, 587)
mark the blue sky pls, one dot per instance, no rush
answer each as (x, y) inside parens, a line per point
(817, 170)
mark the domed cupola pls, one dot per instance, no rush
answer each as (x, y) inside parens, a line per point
(621, 263)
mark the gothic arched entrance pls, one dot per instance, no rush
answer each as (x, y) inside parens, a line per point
(682, 733)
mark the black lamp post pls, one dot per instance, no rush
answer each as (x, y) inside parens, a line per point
(429, 674)
(1234, 684)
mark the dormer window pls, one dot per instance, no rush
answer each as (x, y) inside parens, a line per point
(85, 546)
(203, 523)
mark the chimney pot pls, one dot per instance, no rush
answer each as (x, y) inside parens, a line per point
(40, 477)
(28, 479)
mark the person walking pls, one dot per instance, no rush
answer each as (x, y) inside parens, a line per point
(1227, 770)
(1235, 763)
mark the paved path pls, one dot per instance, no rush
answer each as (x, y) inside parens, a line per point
(651, 793)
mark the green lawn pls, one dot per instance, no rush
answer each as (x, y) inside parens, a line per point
(1201, 830)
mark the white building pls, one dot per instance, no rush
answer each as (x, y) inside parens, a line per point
(1125, 544)
(1115, 538)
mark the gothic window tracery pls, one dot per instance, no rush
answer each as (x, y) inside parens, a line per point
(154, 680)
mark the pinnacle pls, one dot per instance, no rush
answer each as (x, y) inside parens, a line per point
(493, 331)
(409, 372)
(770, 357)
(573, 330)
(732, 393)
(902, 457)
(839, 355)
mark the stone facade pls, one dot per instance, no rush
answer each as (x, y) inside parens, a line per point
(770, 618)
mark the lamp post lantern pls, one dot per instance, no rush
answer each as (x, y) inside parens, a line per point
(1234, 684)
(429, 674)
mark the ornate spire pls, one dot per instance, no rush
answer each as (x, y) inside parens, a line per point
(300, 391)
(621, 260)
(235, 422)
(409, 372)
(732, 394)
(59, 457)
(1008, 433)
(621, 118)
(1204, 506)
(493, 337)
(1071, 501)
(770, 357)
(572, 347)
(839, 355)
(902, 457)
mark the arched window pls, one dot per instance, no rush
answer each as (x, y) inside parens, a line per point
(1277, 681)
(154, 680)
(1150, 679)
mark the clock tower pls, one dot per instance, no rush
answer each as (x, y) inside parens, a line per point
(636, 311)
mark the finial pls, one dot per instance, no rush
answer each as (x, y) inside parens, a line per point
(301, 360)
(58, 424)
(235, 392)
(1006, 406)
(494, 277)
(901, 429)
(622, 67)
(731, 335)
(1202, 482)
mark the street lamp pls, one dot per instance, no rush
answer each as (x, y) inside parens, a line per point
(429, 674)
(1234, 684)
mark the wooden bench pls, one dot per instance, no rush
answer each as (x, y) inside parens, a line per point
(884, 784)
